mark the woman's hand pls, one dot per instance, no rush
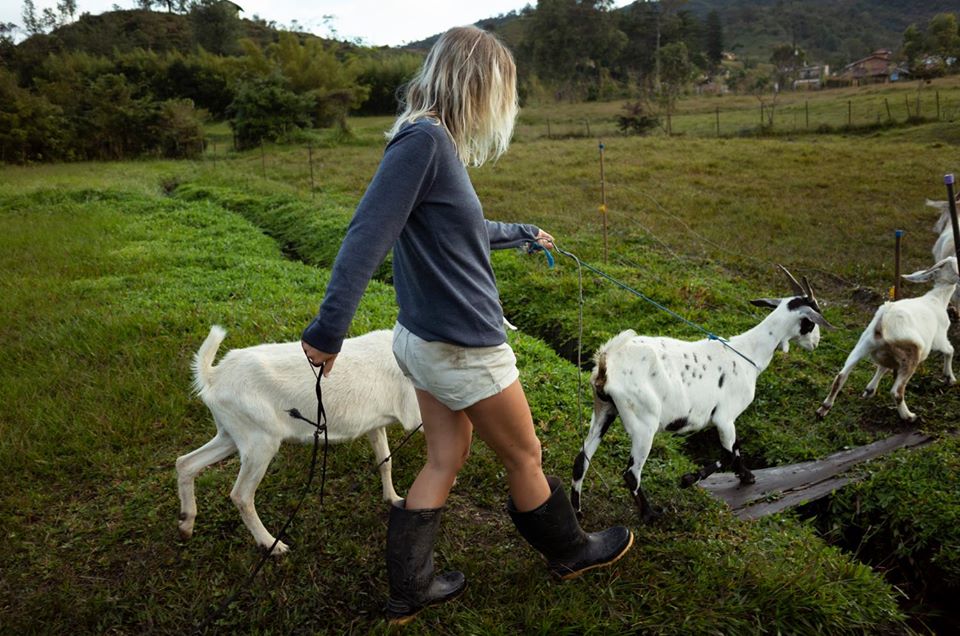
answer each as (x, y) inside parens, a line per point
(318, 358)
(545, 239)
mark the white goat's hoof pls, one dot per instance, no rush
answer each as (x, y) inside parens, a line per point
(822, 411)
(280, 549)
(185, 526)
(867, 394)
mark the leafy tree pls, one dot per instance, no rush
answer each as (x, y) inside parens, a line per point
(676, 71)
(216, 26)
(943, 36)
(787, 60)
(570, 41)
(913, 45)
(713, 38)
(266, 109)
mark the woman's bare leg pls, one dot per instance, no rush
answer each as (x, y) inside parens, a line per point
(504, 422)
(448, 434)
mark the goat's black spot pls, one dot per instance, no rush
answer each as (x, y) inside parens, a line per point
(606, 423)
(769, 333)
(687, 367)
(704, 367)
(720, 383)
(684, 356)
(578, 466)
(675, 425)
(709, 359)
(713, 411)
(695, 359)
(806, 326)
(653, 373)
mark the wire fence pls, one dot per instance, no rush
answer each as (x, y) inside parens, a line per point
(767, 117)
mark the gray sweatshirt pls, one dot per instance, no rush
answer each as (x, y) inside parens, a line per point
(422, 204)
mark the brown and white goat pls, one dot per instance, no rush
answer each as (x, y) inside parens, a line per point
(250, 392)
(657, 384)
(902, 334)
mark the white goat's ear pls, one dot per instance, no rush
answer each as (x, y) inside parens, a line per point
(772, 303)
(921, 276)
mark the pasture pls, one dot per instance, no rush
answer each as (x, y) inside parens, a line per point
(114, 273)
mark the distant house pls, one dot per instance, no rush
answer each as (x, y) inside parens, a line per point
(811, 76)
(875, 68)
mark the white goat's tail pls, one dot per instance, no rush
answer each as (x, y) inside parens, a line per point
(203, 369)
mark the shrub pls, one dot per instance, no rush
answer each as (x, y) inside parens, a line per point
(265, 109)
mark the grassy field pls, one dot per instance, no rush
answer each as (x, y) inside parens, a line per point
(116, 271)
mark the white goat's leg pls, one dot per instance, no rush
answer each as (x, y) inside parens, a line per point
(947, 350)
(604, 413)
(909, 360)
(381, 450)
(641, 430)
(255, 457)
(871, 389)
(189, 466)
(860, 351)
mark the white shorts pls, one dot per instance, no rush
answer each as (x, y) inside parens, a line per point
(457, 376)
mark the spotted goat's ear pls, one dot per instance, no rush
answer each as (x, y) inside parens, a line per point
(771, 303)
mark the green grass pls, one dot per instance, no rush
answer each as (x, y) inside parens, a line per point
(111, 293)
(112, 283)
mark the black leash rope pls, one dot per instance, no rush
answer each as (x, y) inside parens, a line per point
(319, 426)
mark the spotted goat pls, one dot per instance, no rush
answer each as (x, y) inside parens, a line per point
(657, 383)
(902, 334)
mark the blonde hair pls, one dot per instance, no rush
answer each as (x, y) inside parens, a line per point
(469, 83)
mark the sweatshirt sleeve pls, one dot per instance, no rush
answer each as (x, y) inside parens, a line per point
(506, 235)
(405, 175)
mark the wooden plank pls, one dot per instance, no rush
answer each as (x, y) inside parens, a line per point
(782, 487)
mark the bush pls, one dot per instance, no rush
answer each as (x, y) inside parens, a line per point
(265, 109)
(178, 129)
(637, 118)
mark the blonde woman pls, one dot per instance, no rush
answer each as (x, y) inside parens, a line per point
(449, 338)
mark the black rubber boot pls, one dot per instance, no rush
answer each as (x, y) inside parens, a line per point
(410, 538)
(553, 530)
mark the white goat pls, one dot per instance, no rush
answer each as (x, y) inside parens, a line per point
(902, 334)
(945, 246)
(250, 392)
(657, 383)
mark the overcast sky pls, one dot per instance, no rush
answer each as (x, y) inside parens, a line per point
(376, 22)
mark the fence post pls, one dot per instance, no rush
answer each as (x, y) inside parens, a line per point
(849, 113)
(603, 204)
(948, 181)
(896, 273)
(806, 112)
(587, 122)
(761, 115)
(887, 104)
(938, 105)
(718, 121)
(906, 100)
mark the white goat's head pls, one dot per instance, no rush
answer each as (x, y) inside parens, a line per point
(944, 206)
(943, 273)
(801, 313)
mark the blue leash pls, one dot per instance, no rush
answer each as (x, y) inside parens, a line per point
(710, 335)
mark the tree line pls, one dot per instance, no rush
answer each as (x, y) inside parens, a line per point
(143, 82)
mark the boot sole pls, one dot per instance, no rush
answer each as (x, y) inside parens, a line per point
(572, 575)
(403, 620)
